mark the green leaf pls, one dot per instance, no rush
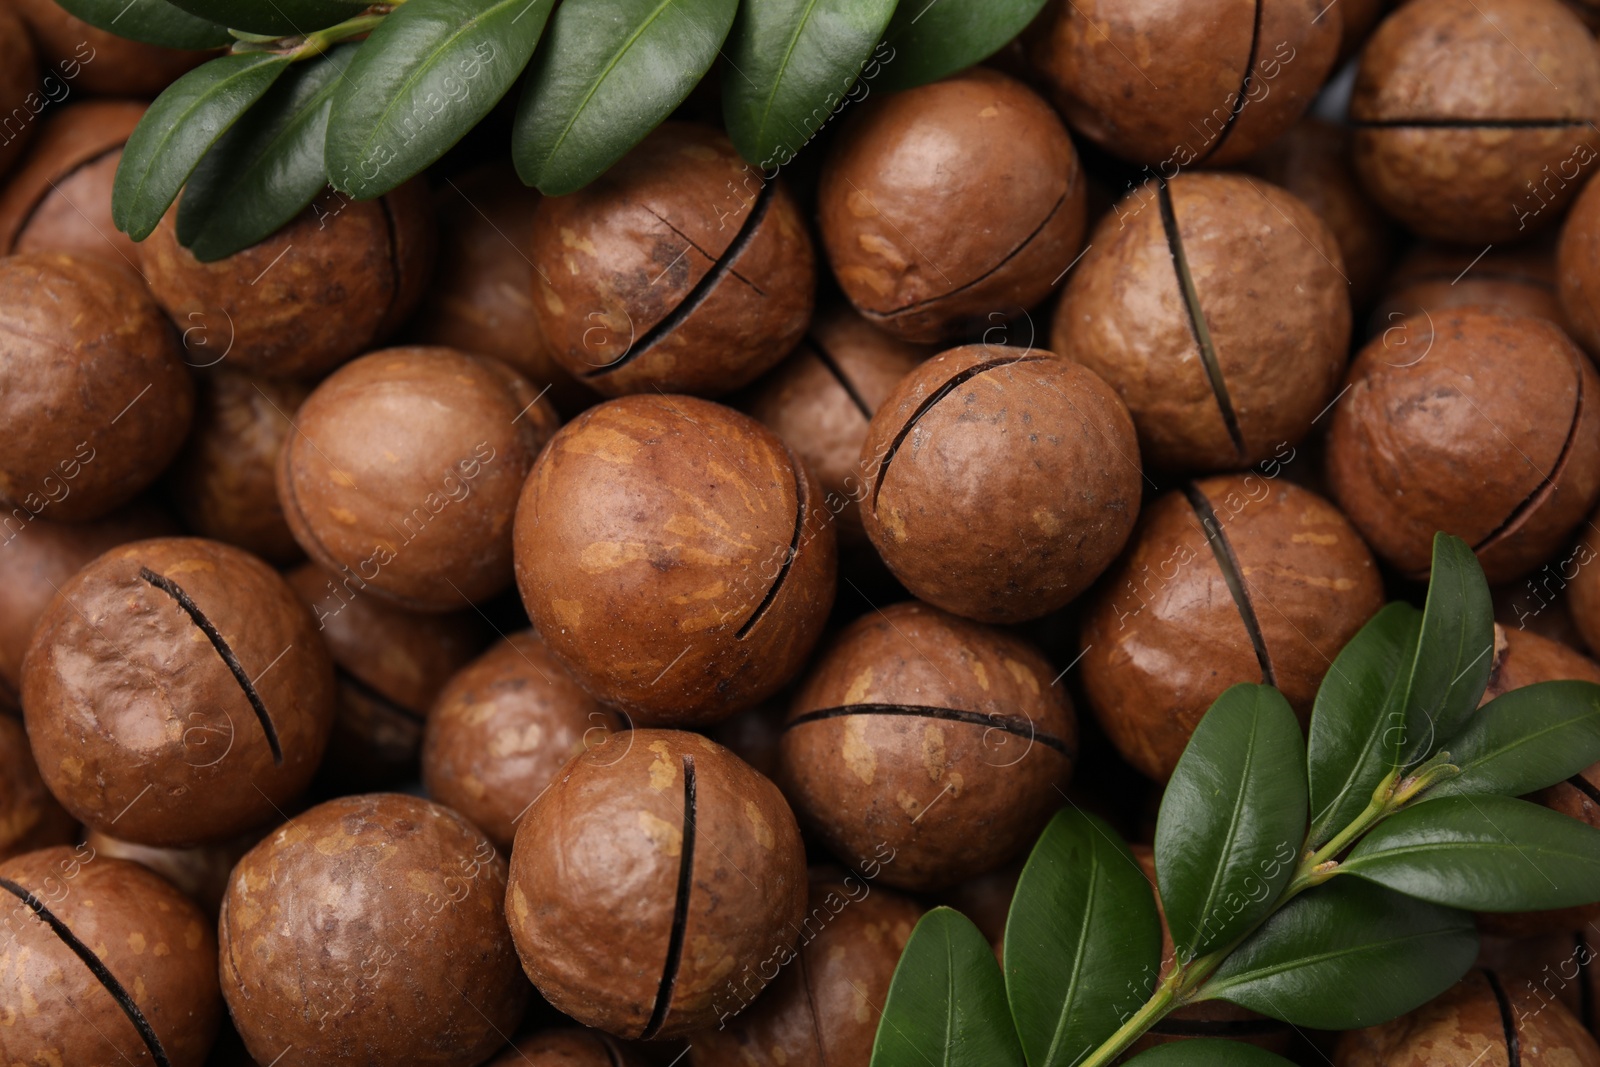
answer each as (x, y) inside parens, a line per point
(1486, 853)
(1527, 739)
(150, 22)
(1232, 820)
(947, 1003)
(1207, 1052)
(427, 75)
(180, 128)
(610, 71)
(1358, 722)
(932, 38)
(1082, 941)
(1346, 955)
(277, 17)
(1455, 651)
(789, 65)
(264, 171)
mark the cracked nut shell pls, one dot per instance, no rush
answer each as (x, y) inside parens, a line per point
(59, 200)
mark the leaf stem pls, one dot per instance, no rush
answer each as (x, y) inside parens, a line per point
(1162, 1001)
(311, 45)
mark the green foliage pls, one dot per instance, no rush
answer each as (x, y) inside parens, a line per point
(151, 22)
(1527, 739)
(933, 38)
(1455, 650)
(277, 17)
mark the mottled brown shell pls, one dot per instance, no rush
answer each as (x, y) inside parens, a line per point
(1578, 269)
(369, 930)
(406, 469)
(676, 556)
(1167, 632)
(92, 393)
(927, 744)
(565, 1048)
(1438, 278)
(949, 205)
(1000, 481)
(87, 59)
(138, 689)
(1563, 965)
(681, 269)
(1482, 425)
(30, 817)
(653, 868)
(1225, 377)
(201, 873)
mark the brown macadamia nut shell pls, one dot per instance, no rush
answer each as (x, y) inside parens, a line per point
(30, 817)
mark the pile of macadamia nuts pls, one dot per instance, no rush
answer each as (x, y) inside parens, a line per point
(470, 628)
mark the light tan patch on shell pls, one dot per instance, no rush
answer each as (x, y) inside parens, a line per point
(859, 756)
(665, 836)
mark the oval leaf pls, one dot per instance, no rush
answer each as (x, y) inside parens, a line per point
(790, 64)
(932, 38)
(1207, 1052)
(150, 22)
(610, 71)
(1358, 722)
(947, 1003)
(1232, 819)
(1455, 651)
(427, 75)
(180, 128)
(276, 17)
(265, 170)
(1346, 955)
(1487, 853)
(1527, 739)
(1082, 942)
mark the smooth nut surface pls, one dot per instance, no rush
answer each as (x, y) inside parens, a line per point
(59, 200)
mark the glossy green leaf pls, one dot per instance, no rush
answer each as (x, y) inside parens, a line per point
(179, 129)
(1486, 853)
(947, 1002)
(1455, 651)
(1082, 942)
(790, 63)
(152, 22)
(1527, 739)
(265, 170)
(933, 38)
(1358, 721)
(277, 17)
(1207, 1052)
(425, 78)
(1345, 955)
(1232, 819)
(609, 72)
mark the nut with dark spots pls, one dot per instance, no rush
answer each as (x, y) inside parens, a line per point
(1218, 308)
(927, 744)
(651, 869)
(405, 470)
(681, 269)
(94, 396)
(105, 963)
(369, 930)
(1438, 278)
(177, 693)
(952, 204)
(676, 556)
(565, 1048)
(1000, 481)
(30, 817)
(96, 61)
(1238, 579)
(502, 728)
(19, 77)
(1483, 425)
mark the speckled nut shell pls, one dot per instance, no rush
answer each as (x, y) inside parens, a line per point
(1234, 579)
(1482, 425)
(676, 556)
(1000, 481)
(19, 77)
(928, 744)
(151, 996)
(368, 930)
(681, 269)
(1177, 83)
(1477, 1021)
(951, 205)
(177, 690)
(90, 60)
(60, 197)
(30, 817)
(565, 1048)
(332, 283)
(821, 398)
(92, 392)
(388, 664)
(823, 1008)
(1455, 160)
(1435, 278)
(1578, 269)
(1217, 307)
(223, 482)
(405, 471)
(501, 730)
(200, 873)
(652, 868)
